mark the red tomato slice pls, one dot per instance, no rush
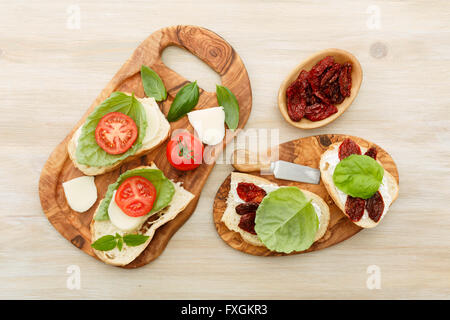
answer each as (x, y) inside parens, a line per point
(116, 132)
(185, 151)
(135, 196)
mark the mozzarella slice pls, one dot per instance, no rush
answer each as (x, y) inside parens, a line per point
(209, 124)
(81, 193)
(152, 120)
(121, 220)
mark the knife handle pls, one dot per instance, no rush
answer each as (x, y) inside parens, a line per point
(244, 161)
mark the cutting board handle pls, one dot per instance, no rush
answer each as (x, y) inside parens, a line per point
(245, 161)
(201, 42)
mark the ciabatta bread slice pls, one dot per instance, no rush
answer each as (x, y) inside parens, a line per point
(157, 119)
(389, 188)
(231, 219)
(179, 202)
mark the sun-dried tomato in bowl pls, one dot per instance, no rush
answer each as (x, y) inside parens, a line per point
(314, 94)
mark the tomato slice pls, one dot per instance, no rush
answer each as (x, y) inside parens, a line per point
(184, 151)
(116, 132)
(135, 196)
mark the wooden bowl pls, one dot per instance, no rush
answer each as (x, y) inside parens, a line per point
(341, 56)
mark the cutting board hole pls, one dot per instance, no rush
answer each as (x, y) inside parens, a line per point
(191, 67)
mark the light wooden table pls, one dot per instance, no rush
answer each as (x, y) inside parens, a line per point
(51, 71)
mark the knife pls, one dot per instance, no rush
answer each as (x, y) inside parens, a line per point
(280, 169)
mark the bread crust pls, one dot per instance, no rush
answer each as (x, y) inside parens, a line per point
(94, 171)
(327, 179)
(229, 216)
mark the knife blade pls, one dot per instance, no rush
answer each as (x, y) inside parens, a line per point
(294, 172)
(243, 161)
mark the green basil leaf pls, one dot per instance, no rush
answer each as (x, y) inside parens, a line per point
(105, 243)
(133, 240)
(228, 101)
(120, 244)
(88, 151)
(153, 85)
(358, 175)
(286, 220)
(164, 190)
(185, 100)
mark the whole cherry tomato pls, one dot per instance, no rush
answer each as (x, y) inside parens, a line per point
(185, 151)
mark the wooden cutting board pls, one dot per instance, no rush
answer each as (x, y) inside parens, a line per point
(305, 151)
(207, 46)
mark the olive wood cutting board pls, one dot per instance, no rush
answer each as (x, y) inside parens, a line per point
(207, 46)
(305, 151)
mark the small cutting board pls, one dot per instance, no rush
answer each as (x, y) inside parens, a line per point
(305, 151)
(207, 46)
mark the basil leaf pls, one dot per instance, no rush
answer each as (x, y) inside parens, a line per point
(153, 85)
(164, 190)
(120, 244)
(88, 151)
(133, 240)
(105, 243)
(185, 100)
(228, 101)
(359, 176)
(286, 220)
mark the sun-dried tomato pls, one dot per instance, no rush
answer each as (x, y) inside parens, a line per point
(319, 111)
(372, 152)
(345, 79)
(295, 107)
(335, 93)
(318, 90)
(331, 75)
(322, 97)
(354, 208)
(375, 206)
(316, 72)
(308, 96)
(347, 148)
(303, 76)
(247, 222)
(247, 207)
(250, 192)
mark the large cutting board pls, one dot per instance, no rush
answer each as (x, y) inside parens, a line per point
(305, 151)
(207, 46)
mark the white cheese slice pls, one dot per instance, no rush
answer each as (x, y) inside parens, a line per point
(121, 220)
(209, 124)
(151, 109)
(81, 193)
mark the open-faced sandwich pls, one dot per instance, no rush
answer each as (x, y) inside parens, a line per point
(283, 219)
(138, 203)
(120, 129)
(357, 182)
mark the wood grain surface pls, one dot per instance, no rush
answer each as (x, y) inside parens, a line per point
(210, 48)
(52, 70)
(305, 151)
